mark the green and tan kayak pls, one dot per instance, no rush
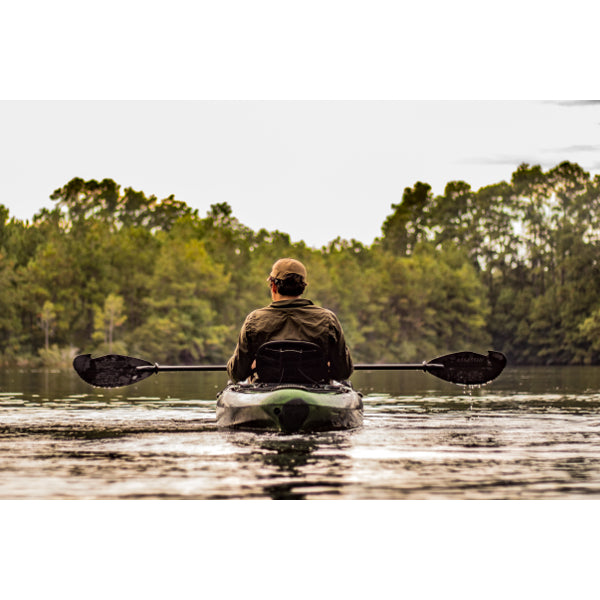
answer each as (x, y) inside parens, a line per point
(289, 408)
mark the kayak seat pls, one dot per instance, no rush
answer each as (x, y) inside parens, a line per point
(291, 361)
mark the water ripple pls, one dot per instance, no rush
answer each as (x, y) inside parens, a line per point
(159, 440)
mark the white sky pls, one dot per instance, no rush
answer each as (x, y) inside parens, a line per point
(308, 120)
(316, 170)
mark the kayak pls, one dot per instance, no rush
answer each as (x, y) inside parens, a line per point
(290, 408)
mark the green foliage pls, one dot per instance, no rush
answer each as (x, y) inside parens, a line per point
(185, 292)
(407, 225)
(54, 357)
(82, 200)
(589, 332)
(11, 325)
(106, 321)
(514, 266)
(47, 320)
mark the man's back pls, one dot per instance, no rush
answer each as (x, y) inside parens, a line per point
(295, 319)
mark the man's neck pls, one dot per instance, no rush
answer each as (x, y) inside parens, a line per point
(277, 297)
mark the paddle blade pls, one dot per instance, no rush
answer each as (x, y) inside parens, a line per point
(468, 368)
(111, 371)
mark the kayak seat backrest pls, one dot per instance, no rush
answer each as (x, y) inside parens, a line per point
(291, 361)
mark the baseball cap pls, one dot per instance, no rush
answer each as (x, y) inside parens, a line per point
(288, 266)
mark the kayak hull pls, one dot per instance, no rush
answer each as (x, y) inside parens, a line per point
(289, 408)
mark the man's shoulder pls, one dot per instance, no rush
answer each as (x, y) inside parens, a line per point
(276, 307)
(323, 313)
(257, 313)
(260, 313)
(322, 309)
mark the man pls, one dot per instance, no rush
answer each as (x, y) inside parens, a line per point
(290, 317)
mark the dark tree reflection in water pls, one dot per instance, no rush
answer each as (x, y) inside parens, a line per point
(530, 434)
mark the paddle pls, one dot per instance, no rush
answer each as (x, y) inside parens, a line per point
(114, 370)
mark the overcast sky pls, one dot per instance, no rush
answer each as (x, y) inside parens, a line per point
(305, 118)
(315, 170)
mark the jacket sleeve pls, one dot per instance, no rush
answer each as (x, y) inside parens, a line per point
(340, 366)
(239, 366)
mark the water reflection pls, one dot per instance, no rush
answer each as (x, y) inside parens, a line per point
(292, 467)
(530, 434)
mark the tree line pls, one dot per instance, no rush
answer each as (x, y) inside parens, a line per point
(512, 266)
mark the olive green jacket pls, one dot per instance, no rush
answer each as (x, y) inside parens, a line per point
(297, 319)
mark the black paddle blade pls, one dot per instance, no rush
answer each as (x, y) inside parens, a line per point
(111, 371)
(468, 368)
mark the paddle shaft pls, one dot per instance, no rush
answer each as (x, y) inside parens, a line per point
(397, 367)
(359, 367)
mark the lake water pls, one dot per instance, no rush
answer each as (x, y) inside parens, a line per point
(533, 433)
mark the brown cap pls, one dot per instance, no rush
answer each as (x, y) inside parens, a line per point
(287, 266)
